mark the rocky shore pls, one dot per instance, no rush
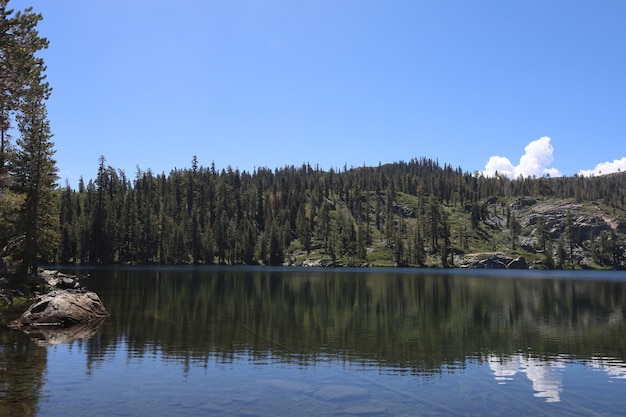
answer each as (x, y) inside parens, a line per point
(64, 305)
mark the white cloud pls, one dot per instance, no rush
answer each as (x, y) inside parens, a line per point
(500, 165)
(535, 162)
(537, 159)
(603, 168)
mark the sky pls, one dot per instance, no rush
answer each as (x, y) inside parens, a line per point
(529, 87)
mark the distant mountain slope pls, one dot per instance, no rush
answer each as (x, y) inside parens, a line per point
(416, 213)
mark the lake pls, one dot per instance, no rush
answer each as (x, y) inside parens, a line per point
(239, 341)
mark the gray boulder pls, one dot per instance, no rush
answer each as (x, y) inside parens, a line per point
(58, 280)
(495, 261)
(63, 308)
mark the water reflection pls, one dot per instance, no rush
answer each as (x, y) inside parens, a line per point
(421, 325)
(22, 370)
(418, 323)
(615, 368)
(544, 374)
(50, 336)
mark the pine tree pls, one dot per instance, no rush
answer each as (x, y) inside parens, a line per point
(21, 85)
(445, 233)
(541, 233)
(36, 176)
(276, 249)
(21, 72)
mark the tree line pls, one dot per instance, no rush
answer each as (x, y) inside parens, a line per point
(403, 213)
(203, 215)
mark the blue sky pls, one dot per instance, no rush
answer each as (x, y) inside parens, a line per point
(269, 83)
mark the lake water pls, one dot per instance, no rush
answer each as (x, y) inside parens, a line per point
(311, 342)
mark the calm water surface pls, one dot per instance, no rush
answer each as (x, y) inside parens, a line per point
(268, 342)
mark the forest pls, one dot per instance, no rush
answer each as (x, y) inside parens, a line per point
(415, 213)
(406, 213)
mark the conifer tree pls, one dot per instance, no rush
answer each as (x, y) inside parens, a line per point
(21, 71)
(21, 85)
(36, 176)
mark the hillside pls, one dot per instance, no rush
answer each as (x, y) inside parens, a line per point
(540, 232)
(414, 213)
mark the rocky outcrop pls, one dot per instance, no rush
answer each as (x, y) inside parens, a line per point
(45, 281)
(321, 263)
(493, 261)
(63, 308)
(517, 263)
(58, 280)
(403, 211)
(520, 203)
(587, 220)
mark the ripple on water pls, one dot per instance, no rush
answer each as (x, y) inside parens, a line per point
(336, 392)
(364, 410)
(287, 385)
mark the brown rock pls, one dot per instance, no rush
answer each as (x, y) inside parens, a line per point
(63, 308)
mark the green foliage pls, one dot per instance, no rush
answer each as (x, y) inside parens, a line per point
(21, 71)
(414, 213)
(10, 204)
(35, 176)
(406, 213)
(29, 209)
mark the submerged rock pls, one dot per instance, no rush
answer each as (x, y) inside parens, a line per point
(63, 308)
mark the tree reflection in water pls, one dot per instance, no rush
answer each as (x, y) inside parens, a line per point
(410, 322)
(417, 322)
(22, 371)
